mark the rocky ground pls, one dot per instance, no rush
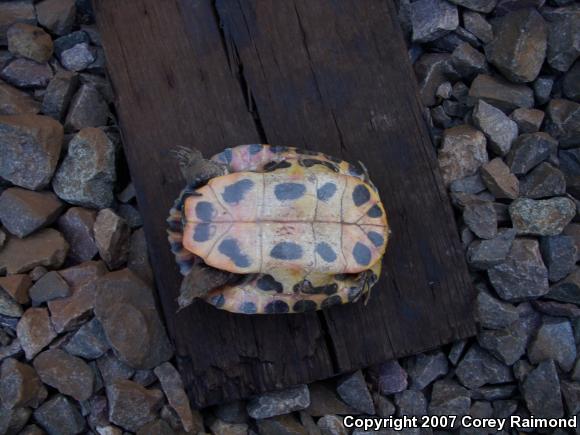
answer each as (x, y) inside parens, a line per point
(500, 81)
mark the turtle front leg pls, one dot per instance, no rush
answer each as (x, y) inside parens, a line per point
(195, 169)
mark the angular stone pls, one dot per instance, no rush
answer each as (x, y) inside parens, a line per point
(449, 398)
(476, 24)
(331, 425)
(12, 421)
(559, 253)
(16, 102)
(283, 425)
(555, 341)
(426, 368)
(411, 403)
(235, 411)
(354, 391)
(131, 215)
(433, 69)
(500, 93)
(112, 238)
(125, 306)
(20, 385)
(138, 261)
(78, 57)
(541, 391)
(89, 342)
(571, 83)
(113, 369)
(542, 89)
(56, 15)
(8, 306)
(11, 349)
(323, 401)
(432, 19)
(35, 331)
(77, 227)
(472, 184)
(15, 12)
(498, 128)
(499, 180)
(22, 211)
(571, 394)
(156, 427)
(383, 406)
(557, 309)
(508, 344)
(518, 49)
(493, 313)
(17, 287)
(145, 377)
(478, 368)
(130, 405)
(50, 286)
(544, 217)
(24, 73)
(60, 416)
(481, 218)
(528, 150)
(279, 402)
(390, 377)
(543, 181)
(468, 61)
(528, 120)
(485, 6)
(30, 145)
(68, 374)
(59, 93)
(44, 248)
(563, 38)
(563, 122)
(221, 427)
(173, 387)
(462, 153)
(30, 42)
(444, 90)
(570, 166)
(87, 109)
(567, 290)
(87, 174)
(32, 429)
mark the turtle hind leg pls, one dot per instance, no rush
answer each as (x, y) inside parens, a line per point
(194, 168)
(201, 280)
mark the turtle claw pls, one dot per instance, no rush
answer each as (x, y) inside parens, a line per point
(194, 167)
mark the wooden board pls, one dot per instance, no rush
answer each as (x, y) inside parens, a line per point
(327, 75)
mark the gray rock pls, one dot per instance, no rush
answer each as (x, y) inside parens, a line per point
(449, 398)
(543, 181)
(468, 61)
(8, 306)
(354, 391)
(462, 153)
(557, 309)
(279, 402)
(87, 109)
(76, 226)
(30, 42)
(567, 290)
(501, 93)
(455, 109)
(35, 331)
(50, 286)
(528, 120)
(12, 348)
(444, 90)
(559, 253)
(16, 102)
(498, 128)
(571, 83)
(131, 215)
(89, 342)
(543, 89)
(432, 19)
(130, 405)
(563, 122)
(543, 217)
(125, 306)
(504, 408)
(68, 374)
(173, 387)
(15, 12)
(60, 416)
(411, 403)
(155, 427)
(498, 392)
(523, 275)
(507, 345)
(46, 247)
(478, 368)
(144, 377)
(30, 145)
(221, 427)
(20, 385)
(235, 411)
(555, 341)
(528, 150)
(563, 38)
(59, 93)
(481, 218)
(571, 394)
(472, 184)
(432, 70)
(518, 49)
(485, 6)
(323, 401)
(56, 15)
(476, 24)
(138, 261)
(22, 212)
(12, 421)
(390, 376)
(498, 178)
(17, 287)
(493, 313)
(112, 238)
(426, 368)
(87, 174)
(112, 369)
(331, 425)
(78, 57)
(570, 166)
(24, 73)
(383, 406)
(541, 391)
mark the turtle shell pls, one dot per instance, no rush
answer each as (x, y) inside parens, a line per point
(304, 230)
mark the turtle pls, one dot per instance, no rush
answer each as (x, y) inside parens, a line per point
(264, 229)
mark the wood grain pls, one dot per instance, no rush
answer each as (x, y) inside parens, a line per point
(327, 75)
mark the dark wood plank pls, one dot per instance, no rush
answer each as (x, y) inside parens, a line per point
(326, 75)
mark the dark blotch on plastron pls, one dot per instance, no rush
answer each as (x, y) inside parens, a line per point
(326, 191)
(217, 300)
(374, 212)
(231, 249)
(268, 283)
(354, 293)
(175, 225)
(307, 163)
(361, 254)
(332, 158)
(279, 149)
(204, 210)
(248, 308)
(303, 286)
(286, 251)
(225, 156)
(330, 301)
(377, 239)
(326, 252)
(176, 247)
(254, 148)
(234, 193)
(289, 191)
(354, 170)
(203, 232)
(273, 166)
(328, 289)
(276, 307)
(304, 306)
(343, 276)
(360, 195)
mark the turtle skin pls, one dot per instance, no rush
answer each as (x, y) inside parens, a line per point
(302, 230)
